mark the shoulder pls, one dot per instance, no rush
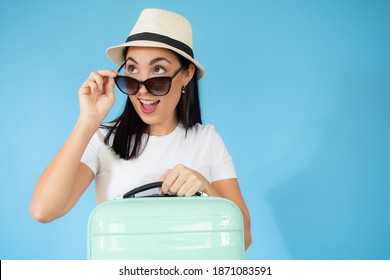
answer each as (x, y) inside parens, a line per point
(98, 138)
(203, 134)
(103, 130)
(203, 130)
(100, 134)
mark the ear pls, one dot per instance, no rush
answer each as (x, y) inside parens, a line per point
(188, 74)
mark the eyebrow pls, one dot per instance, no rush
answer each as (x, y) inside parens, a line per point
(153, 61)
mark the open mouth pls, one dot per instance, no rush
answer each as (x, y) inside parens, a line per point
(148, 106)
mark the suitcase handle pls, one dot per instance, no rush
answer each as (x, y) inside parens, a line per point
(154, 185)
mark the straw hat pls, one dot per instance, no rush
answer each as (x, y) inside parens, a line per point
(162, 29)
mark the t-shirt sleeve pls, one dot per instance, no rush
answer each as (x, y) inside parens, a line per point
(91, 154)
(222, 166)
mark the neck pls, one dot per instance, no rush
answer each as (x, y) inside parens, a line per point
(162, 129)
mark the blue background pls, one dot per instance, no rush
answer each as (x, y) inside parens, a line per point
(299, 91)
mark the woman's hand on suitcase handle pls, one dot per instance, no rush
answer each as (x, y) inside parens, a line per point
(183, 181)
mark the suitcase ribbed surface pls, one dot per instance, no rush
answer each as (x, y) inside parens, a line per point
(166, 228)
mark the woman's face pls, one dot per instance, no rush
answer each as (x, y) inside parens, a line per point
(159, 112)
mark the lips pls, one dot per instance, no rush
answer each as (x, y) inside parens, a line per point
(148, 106)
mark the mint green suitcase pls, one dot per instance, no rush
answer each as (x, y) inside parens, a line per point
(161, 228)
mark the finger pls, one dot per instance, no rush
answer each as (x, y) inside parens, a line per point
(165, 185)
(184, 189)
(98, 79)
(109, 88)
(108, 73)
(169, 181)
(88, 87)
(162, 178)
(179, 182)
(85, 88)
(102, 76)
(96, 87)
(192, 183)
(192, 190)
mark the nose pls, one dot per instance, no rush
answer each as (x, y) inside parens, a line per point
(142, 88)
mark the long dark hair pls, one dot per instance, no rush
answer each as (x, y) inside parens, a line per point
(129, 129)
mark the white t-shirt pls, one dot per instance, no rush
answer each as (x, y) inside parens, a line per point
(202, 149)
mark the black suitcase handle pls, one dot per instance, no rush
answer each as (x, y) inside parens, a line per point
(154, 185)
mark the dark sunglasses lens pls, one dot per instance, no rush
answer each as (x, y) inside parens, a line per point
(158, 86)
(127, 85)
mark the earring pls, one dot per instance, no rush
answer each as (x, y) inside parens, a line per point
(183, 89)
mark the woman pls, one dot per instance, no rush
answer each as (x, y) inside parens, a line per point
(158, 137)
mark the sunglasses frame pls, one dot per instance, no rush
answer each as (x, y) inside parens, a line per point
(170, 78)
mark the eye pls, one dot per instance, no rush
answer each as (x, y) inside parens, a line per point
(158, 70)
(131, 69)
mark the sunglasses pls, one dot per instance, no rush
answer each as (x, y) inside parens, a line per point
(157, 86)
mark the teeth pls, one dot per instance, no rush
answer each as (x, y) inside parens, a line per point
(148, 102)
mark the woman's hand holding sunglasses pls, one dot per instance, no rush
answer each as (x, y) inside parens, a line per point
(96, 95)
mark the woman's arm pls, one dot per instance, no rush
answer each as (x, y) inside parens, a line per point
(65, 179)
